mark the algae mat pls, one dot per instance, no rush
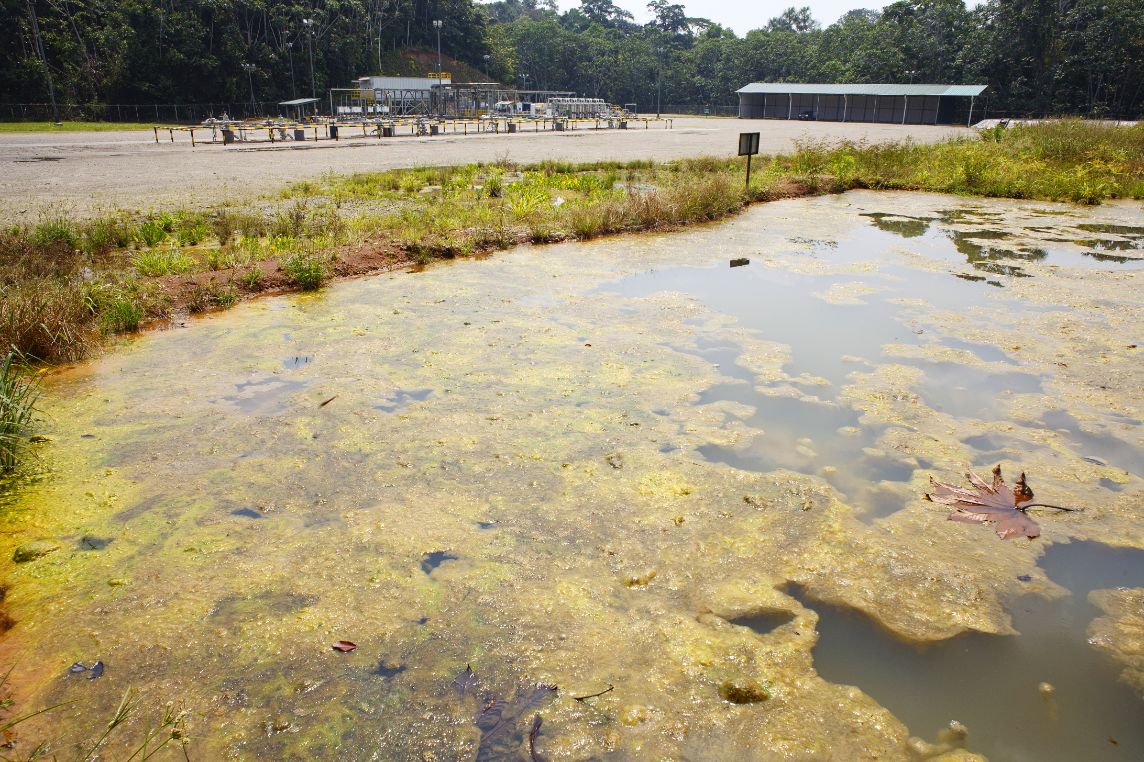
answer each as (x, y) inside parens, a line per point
(621, 463)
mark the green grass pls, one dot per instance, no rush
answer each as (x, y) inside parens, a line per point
(73, 126)
(18, 392)
(64, 283)
(308, 270)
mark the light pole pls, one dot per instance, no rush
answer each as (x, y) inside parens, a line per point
(293, 86)
(437, 25)
(249, 69)
(309, 24)
(486, 57)
(912, 74)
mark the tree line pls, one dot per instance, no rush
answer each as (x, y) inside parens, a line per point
(1038, 56)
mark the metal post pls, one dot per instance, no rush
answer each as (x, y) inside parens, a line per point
(249, 69)
(437, 26)
(293, 87)
(748, 172)
(309, 24)
(905, 105)
(845, 105)
(790, 108)
(969, 121)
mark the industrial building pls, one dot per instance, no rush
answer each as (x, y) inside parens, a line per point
(437, 95)
(888, 104)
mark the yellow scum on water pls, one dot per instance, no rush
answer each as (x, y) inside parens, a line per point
(506, 474)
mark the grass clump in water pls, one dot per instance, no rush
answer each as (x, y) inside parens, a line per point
(18, 393)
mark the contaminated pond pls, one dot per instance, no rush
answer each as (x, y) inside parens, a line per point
(686, 489)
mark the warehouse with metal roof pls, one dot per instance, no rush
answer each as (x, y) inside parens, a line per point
(888, 104)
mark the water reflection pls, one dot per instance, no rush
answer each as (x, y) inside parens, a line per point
(990, 683)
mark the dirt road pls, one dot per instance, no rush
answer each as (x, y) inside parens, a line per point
(81, 172)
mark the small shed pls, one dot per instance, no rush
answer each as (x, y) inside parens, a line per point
(298, 107)
(884, 103)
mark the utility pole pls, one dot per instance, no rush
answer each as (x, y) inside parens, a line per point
(309, 24)
(437, 25)
(39, 43)
(249, 69)
(658, 81)
(293, 86)
(486, 57)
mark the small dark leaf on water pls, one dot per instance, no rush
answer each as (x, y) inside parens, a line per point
(533, 732)
(740, 262)
(331, 399)
(998, 504)
(1024, 577)
(96, 671)
(78, 667)
(466, 681)
(344, 646)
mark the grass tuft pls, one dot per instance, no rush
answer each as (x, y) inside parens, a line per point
(18, 392)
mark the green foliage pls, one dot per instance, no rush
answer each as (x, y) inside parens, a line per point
(56, 234)
(151, 233)
(18, 393)
(307, 269)
(170, 260)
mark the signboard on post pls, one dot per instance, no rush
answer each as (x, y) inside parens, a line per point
(748, 146)
(748, 143)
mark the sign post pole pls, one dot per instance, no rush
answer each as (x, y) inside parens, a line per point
(748, 146)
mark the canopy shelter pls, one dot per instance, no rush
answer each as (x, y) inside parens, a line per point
(885, 103)
(299, 105)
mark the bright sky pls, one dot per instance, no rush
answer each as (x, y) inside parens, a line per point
(745, 15)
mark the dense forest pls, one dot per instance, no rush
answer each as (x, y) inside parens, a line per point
(1039, 56)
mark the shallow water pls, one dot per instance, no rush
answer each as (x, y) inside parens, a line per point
(603, 464)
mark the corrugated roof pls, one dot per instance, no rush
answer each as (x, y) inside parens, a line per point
(801, 88)
(298, 102)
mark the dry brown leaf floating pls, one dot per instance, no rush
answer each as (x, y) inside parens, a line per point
(999, 504)
(344, 646)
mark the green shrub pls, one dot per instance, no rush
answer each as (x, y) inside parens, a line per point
(121, 314)
(192, 233)
(105, 234)
(55, 234)
(151, 233)
(307, 270)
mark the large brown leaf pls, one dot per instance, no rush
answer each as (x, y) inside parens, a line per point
(998, 504)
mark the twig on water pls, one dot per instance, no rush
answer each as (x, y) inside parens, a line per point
(609, 689)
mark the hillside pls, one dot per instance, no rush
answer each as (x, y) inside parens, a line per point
(418, 62)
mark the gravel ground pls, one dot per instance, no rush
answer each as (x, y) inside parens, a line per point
(79, 172)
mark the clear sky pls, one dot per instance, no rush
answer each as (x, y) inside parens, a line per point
(745, 15)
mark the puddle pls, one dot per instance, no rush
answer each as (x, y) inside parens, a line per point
(296, 361)
(967, 392)
(629, 410)
(990, 683)
(266, 396)
(432, 560)
(1105, 448)
(402, 397)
